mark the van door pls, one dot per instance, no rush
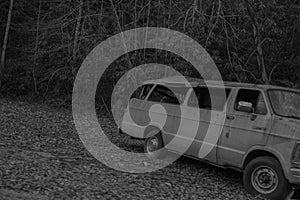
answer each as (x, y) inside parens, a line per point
(210, 121)
(247, 124)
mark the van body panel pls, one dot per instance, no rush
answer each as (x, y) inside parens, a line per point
(185, 120)
(240, 134)
(133, 122)
(283, 138)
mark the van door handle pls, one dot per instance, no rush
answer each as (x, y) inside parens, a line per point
(259, 128)
(253, 117)
(227, 135)
(230, 117)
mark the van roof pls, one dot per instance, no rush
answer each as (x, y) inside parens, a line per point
(180, 81)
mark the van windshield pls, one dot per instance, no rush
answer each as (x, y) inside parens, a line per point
(285, 103)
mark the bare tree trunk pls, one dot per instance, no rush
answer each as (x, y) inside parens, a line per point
(77, 33)
(5, 40)
(257, 38)
(36, 46)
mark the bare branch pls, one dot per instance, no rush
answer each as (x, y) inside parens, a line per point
(6, 39)
(215, 24)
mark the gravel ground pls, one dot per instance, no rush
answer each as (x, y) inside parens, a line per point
(42, 157)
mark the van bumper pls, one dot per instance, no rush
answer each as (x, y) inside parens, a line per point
(294, 177)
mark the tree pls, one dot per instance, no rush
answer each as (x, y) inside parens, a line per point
(77, 33)
(250, 41)
(5, 40)
(258, 42)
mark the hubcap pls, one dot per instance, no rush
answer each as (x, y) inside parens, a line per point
(264, 179)
(152, 145)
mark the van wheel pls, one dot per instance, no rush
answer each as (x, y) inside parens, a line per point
(263, 176)
(153, 145)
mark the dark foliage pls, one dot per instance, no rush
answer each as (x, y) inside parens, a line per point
(48, 40)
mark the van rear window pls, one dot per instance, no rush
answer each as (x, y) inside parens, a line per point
(172, 95)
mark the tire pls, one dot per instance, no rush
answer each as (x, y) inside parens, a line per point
(263, 176)
(153, 145)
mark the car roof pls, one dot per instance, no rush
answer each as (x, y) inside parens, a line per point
(179, 81)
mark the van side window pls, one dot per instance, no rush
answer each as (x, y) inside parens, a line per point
(254, 97)
(137, 93)
(203, 100)
(146, 90)
(163, 94)
(141, 92)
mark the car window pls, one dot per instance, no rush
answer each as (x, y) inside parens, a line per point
(255, 97)
(137, 93)
(202, 98)
(285, 103)
(146, 90)
(141, 92)
(172, 95)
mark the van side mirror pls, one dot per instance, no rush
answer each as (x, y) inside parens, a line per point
(245, 107)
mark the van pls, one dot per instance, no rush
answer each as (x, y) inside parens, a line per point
(260, 134)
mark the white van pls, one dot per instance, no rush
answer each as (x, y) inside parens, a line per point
(260, 134)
